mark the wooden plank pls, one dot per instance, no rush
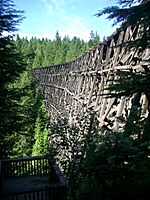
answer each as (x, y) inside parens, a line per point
(99, 92)
(91, 91)
(110, 103)
(119, 113)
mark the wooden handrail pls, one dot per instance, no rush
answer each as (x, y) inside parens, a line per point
(24, 159)
(41, 168)
(17, 167)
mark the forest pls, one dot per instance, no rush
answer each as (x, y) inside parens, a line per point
(108, 166)
(46, 52)
(32, 139)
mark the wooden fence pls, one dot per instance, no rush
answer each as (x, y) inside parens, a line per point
(35, 178)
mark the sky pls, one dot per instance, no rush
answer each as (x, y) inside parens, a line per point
(43, 18)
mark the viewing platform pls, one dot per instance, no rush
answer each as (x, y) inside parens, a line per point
(34, 178)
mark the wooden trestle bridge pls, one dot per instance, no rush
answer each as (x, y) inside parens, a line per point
(73, 88)
(35, 178)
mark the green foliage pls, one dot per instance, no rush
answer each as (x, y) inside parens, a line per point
(71, 145)
(98, 164)
(94, 39)
(18, 97)
(25, 139)
(9, 17)
(24, 124)
(117, 165)
(134, 13)
(101, 164)
(41, 137)
(11, 66)
(47, 52)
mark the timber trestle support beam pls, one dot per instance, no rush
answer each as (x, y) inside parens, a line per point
(72, 88)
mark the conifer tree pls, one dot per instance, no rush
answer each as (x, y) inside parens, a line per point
(131, 13)
(94, 39)
(11, 66)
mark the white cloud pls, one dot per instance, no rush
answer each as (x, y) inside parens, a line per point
(65, 20)
(59, 7)
(82, 34)
(48, 6)
(75, 27)
(54, 6)
(78, 30)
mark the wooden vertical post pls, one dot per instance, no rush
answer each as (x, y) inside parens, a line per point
(119, 113)
(91, 91)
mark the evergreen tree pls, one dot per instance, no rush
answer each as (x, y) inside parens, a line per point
(59, 57)
(49, 53)
(57, 37)
(39, 58)
(32, 139)
(41, 137)
(134, 13)
(94, 39)
(74, 49)
(11, 66)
